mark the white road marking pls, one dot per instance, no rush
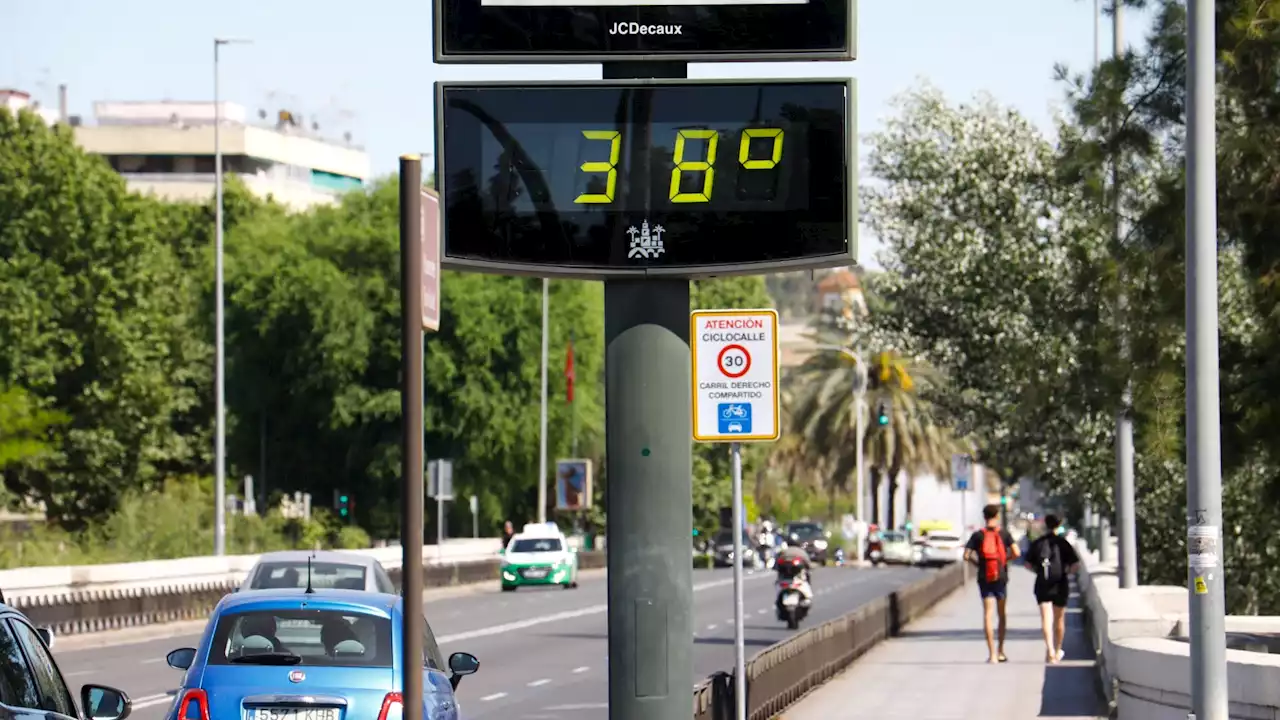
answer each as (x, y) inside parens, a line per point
(712, 626)
(536, 683)
(78, 673)
(152, 661)
(152, 701)
(555, 617)
(582, 669)
(580, 706)
(494, 696)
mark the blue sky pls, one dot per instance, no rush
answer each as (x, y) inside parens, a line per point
(365, 67)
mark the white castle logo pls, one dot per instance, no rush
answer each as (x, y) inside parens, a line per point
(644, 242)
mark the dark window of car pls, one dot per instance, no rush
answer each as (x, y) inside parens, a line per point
(431, 649)
(293, 574)
(532, 545)
(17, 684)
(318, 638)
(804, 532)
(53, 691)
(724, 537)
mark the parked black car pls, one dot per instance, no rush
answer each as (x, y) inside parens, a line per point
(811, 537)
(723, 548)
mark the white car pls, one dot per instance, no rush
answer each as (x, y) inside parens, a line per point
(940, 547)
(328, 569)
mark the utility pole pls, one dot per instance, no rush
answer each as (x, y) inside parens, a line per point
(1204, 453)
(1126, 513)
(859, 432)
(542, 449)
(220, 340)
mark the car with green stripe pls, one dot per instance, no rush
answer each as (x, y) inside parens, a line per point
(540, 555)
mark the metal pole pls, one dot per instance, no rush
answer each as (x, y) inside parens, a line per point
(1204, 461)
(440, 527)
(542, 450)
(859, 432)
(739, 631)
(649, 458)
(220, 362)
(411, 408)
(1097, 33)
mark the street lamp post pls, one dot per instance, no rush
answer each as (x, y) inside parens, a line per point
(220, 363)
(859, 393)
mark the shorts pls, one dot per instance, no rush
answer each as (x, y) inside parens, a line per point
(1056, 593)
(997, 590)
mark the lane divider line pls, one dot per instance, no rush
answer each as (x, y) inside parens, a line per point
(494, 696)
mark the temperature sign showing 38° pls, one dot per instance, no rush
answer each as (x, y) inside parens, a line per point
(735, 375)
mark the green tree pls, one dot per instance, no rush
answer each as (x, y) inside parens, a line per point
(95, 322)
(25, 428)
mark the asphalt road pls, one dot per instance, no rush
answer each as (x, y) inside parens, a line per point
(542, 651)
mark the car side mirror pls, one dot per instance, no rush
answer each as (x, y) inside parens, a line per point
(46, 634)
(181, 658)
(461, 664)
(104, 703)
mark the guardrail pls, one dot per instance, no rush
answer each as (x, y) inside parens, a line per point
(781, 674)
(75, 612)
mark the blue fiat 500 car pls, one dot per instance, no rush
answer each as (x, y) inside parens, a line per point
(322, 655)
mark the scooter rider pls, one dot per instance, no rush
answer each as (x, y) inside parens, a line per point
(788, 555)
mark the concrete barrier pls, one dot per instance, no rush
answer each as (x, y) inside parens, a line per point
(1143, 658)
(78, 600)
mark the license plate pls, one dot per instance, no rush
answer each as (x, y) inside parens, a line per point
(296, 713)
(536, 573)
(791, 600)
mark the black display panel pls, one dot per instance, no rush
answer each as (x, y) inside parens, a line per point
(507, 31)
(669, 177)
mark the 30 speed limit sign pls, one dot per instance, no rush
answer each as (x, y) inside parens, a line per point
(735, 375)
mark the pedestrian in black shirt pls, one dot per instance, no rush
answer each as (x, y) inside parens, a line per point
(1053, 560)
(992, 549)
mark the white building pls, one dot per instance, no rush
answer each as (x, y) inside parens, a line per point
(166, 149)
(16, 100)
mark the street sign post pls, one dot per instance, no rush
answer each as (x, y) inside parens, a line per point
(440, 487)
(735, 400)
(735, 375)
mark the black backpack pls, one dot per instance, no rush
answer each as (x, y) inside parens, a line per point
(1051, 571)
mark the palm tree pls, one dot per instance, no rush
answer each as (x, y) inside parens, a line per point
(910, 441)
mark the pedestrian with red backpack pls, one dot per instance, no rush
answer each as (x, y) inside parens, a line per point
(991, 549)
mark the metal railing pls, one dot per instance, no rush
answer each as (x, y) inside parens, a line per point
(90, 611)
(781, 674)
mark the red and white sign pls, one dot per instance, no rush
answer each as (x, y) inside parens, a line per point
(735, 375)
(431, 233)
(734, 361)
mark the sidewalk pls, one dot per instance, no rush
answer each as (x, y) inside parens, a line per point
(937, 669)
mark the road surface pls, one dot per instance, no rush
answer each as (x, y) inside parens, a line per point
(542, 651)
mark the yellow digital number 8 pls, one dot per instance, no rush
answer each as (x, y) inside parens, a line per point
(703, 166)
(601, 166)
(744, 148)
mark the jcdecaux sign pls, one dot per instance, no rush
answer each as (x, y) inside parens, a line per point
(735, 375)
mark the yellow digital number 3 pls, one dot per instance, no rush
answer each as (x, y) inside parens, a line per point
(601, 166)
(744, 148)
(704, 166)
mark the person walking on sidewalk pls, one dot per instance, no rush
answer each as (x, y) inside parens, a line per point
(992, 549)
(1053, 560)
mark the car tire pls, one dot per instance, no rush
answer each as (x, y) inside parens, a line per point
(508, 588)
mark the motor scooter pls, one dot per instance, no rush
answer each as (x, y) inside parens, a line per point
(794, 596)
(875, 550)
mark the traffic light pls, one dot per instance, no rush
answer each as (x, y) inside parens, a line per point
(344, 505)
(1004, 500)
(882, 414)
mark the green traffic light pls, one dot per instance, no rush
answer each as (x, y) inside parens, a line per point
(884, 419)
(1004, 499)
(343, 512)
(342, 499)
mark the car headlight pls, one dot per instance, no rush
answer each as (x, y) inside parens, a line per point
(820, 544)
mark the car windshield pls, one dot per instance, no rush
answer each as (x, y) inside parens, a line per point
(536, 545)
(894, 536)
(293, 574)
(302, 637)
(805, 532)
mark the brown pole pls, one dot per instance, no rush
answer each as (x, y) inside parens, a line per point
(412, 451)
